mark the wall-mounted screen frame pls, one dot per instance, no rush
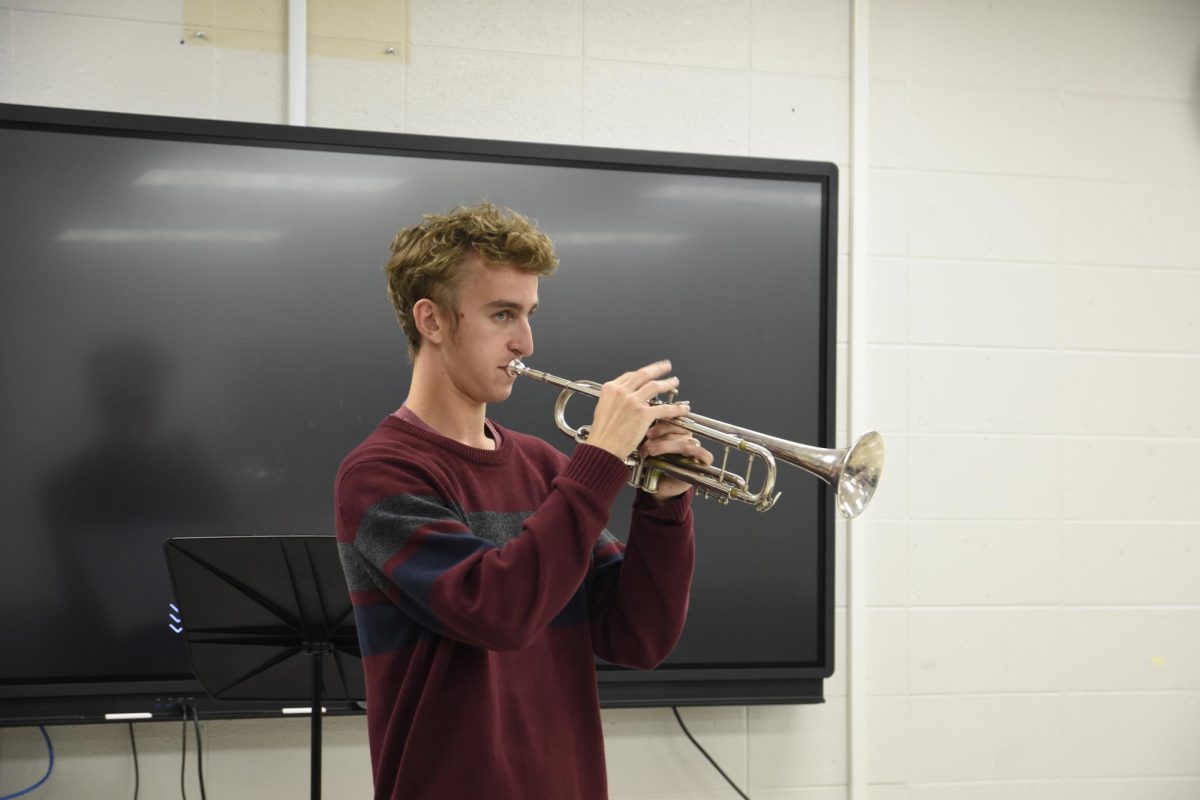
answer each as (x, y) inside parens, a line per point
(228, 274)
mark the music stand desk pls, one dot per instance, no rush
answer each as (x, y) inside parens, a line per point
(268, 618)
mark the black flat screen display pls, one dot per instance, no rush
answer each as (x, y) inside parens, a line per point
(194, 331)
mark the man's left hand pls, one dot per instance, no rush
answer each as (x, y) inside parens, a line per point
(663, 438)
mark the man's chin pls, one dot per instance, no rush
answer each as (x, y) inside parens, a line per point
(501, 394)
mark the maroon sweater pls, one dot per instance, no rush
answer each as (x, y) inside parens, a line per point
(483, 583)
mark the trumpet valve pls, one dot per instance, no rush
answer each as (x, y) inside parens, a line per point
(724, 463)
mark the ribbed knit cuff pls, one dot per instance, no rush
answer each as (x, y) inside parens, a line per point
(598, 470)
(674, 510)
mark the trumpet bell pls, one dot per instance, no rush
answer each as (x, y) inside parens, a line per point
(859, 475)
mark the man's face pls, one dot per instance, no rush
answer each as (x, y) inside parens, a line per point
(494, 306)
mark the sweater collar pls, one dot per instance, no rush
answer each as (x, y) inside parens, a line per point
(498, 456)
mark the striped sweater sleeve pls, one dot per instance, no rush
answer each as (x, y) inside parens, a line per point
(417, 548)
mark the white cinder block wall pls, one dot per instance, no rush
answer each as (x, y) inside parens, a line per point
(1033, 350)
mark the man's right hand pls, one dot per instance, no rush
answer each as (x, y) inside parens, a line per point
(623, 412)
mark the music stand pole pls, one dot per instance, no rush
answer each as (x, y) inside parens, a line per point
(317, 652)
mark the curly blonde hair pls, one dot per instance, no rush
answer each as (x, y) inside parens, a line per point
(427, 258)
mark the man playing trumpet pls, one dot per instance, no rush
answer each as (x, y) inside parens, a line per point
(483, 579)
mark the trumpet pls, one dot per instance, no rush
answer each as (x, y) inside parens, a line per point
(852, 471)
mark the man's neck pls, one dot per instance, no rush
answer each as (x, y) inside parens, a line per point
(442, 408)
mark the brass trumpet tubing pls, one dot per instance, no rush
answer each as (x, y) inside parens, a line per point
(517, 368)
(853, 471)
(723, 483)
(788, 451)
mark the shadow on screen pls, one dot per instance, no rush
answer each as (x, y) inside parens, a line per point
(109, 507)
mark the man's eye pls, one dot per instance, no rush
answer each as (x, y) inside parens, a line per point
(502, 315)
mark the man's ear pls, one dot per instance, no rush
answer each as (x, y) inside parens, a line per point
(429, 321)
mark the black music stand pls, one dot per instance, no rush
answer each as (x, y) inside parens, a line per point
(268, 618)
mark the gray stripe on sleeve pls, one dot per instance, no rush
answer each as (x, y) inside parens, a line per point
(360, 576)
(497, 527)
(389, 524)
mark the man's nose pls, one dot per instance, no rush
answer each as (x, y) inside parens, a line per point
(522, 345)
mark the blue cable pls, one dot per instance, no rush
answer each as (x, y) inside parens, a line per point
(49, 769)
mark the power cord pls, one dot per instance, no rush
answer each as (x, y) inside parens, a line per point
(195, 715)
(688, 733)
(137, 778)
(183, 758)
(199, 750)
(49, 769)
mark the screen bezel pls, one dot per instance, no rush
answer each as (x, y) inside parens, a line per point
(87, 700)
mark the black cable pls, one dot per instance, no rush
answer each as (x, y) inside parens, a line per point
(706, 755)
(183, 759)
(137, 778)
(199, 751)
